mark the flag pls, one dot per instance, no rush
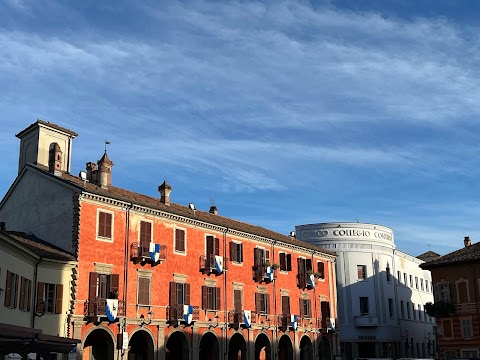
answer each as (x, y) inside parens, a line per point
(111, 309)
(293, 320)
(332, 326)
(154, 252)
(247, 318)
(188, 313)
(219, 263)
(312, 280)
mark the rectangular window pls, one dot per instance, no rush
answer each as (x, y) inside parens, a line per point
(321, 269)
(399, 277)
(361, 272)
(180, 240)
(11, 290)
(237, 300)
(391, 310)
(405, 279)
(389, 276)
(145, 236)
(442, 292)
(426, 286)
(402, 309)
(462, 292)
(416, 282)
(409, 314)
(420, 312)
(305, 308)
(325, 312)
(285, 262)
(49, 298)
(104, 225)
(262, 303)
(144, 291)
(179, 294)
(411, 281)
(447, 329)
(285, 305)
(236, 252)
(210, 298)
(364, 305)
(414, 311)
(103, 286)
(25, 294)
(466, 327)
(421, 284)
(261, 258)
(469, 354)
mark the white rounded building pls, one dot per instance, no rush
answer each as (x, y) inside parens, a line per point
(381, 291)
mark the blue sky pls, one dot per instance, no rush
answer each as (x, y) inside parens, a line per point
(284, 112)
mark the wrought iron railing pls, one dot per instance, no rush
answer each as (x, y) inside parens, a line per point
(207, 263)
(98, 307)
(175, 313)
(260, 273)
(283, 321)
(139, 250)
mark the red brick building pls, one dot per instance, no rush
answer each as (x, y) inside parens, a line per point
(185, 283)
(456, 282)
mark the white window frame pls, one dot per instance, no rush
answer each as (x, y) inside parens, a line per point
(464, 351)
(101, 238)
(463, 328)
(234, 262)
(175, 251)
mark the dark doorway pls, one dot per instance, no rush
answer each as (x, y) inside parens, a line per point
(176, 347)
(208, 347)
(306, 349)
(366, 350)
(324, 349)
(141, 346)
(99, 345)
(237, 348)
(285, 348)
(262, 348)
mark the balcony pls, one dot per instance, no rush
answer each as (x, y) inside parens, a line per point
(97, 308)
(366, 320)
(284, 321)
(264, 273)
(208, 264)
(236, 318)
(140, 253)
(304, 280)
(175, 314)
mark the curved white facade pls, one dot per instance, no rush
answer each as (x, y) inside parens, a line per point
(371, 289)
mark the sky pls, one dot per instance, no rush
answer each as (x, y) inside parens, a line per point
(280, 113)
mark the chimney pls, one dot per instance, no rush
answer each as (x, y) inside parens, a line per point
(467, 242)
(213, 210)
(105, 171)
(55, 160)
(165, 191)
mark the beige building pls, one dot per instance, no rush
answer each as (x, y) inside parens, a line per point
(35, 303)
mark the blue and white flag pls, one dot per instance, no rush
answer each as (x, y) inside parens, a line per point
(312, 280)
(332, 325)
(155, 252)
(188, 313)
(293, 320)
(111, 309)
(219, 263)
(269, 272)
(247, 318)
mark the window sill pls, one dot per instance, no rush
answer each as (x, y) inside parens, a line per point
(104, 239)
(182, 253)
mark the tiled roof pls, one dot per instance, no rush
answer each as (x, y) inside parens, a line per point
(154, 203)
(465, 254)
(38, 246)
(429, 255)
(54, 126)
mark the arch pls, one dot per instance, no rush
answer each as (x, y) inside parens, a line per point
(141, 345)
(99, 344)
(176, 347)
(209, 347)
(306, 348)
(237, 347)
(263, 349)
(285, 348)
(324, 349)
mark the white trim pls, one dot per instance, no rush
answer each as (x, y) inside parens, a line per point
(101, 238)
(183, 253)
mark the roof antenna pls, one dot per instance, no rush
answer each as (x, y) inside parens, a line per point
(429, 246)
(106, 143)
(212, 201)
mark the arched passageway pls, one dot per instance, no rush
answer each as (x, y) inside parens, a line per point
(237, 348)
(285, 348)
(141, 346)
(324, 349)
(263, 348)
(98, 346)
(177, 347)
(306, 348)
(209, 349)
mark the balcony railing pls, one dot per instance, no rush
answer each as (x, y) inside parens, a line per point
(260, 273)
(236, 318)
(284, 321)
(141, 252)
(207, 264)
(303, 280)
(97, 307)
(175, 313)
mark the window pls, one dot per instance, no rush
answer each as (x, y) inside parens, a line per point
(414, 311)
(426, 285)
(104, 225)
(321, 269)
(462, 292)
(25, 294)
(286, 305)
(391, 310)
(11, 290)
(411, 281)
(364, 305)
(237, 300)
(420, 312)
(143, 290)
(305, 308)
(409, 314)
(361, 272)
(325, 312)
(262, 303)
(447, 329)
(416, 282)
(210, 298)
(260, 258)
(405, 279)
(387, 271)
(304, 268)
(145, 235)
(180, 241)
(236, 252)
(421, 284)
(466, 327)
(103, 286)
(212, 246)
(469, 354)
(399, 277)
(442, 292)
(179, 293)
(285, 262)
(402, 309)
(49, 298)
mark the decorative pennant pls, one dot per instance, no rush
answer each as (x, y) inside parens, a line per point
(247, 318)
(111, 309)
(155, 252)
(293, 320)
(188, 313)
(269, 272)
(219, 263)
(312, 280)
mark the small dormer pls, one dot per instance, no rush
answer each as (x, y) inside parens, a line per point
(39, 139)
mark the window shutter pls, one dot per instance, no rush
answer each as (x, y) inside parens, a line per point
(210, 246)
(283, 262)
(29, 294)
(289, 262)
(302, 313)
(240, 249)
(180, 240)
(15, 298)
(267, 255)
(114, 280)
(58, 298)
(436, 293)
(257, 303)
(8, 288)
(308, 264)
(256, 257)
(204, 297)
(237, 300)
(218, 299)
(187, 294)
(285, 305)
(309, 307)
(40, 291)
(92, 285)
(267, 301)
(21, 306)
(173, 292)
(233, 256)
(321, 269)
(217, 246)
